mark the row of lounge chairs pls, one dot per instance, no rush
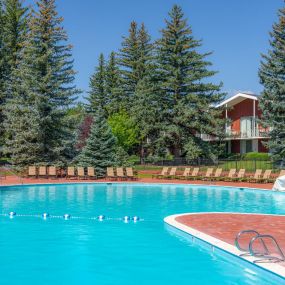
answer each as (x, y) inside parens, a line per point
(218, 174)
(80, 173)
(121, 174)
(55, 172)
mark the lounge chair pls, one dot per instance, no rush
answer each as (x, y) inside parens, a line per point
(91, 174)
(230, 176)
(217, 174)
(52, 172)
(81, 173)
(208, 174)
(256, 176)
(185, 174)
(172, 173)
(164, 172)
(120, 173)
(266, 176)
(240, 176)
(111, 174)
(130, 173)
(42, 172)
(195, 174)
(276, 175)
(282, 173)
(32, 171)
(70, 172)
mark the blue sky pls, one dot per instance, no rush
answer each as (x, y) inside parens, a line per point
(236, 31)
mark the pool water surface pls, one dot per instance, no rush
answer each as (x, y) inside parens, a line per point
(83, 250)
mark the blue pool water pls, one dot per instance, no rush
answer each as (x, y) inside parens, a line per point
(86, 251)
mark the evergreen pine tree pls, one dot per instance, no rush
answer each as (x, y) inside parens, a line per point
(134, 60)
(146, 114)
(114, 90)
(97, 95)
(2, 68)
(13, 29)
(100, 148)
(22, 119)
(187, 96)
(128, 61)
(272, 102)
(2, 65)
(46, 78)
(51, 80)
(145, 55)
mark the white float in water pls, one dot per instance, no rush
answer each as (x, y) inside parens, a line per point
(101, 217)
(66, 216)
(12, 214)
(45, 215)
(136, 218)
(126, 219)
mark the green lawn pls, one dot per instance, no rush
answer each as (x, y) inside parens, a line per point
(247, 165)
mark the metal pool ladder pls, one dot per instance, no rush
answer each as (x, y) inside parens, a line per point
(262, 255)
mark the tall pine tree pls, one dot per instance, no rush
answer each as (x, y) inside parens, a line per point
(97, 95)
(46, 76)
(114, 90)
(128, 60)
(100, 148)
(2, 68)
(187, 96)
(13, 30)
(136, 62)
(272, 102)
(134, 58)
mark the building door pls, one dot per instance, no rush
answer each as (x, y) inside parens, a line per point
(246, 127)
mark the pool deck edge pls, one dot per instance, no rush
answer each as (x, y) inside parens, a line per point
(171, 220)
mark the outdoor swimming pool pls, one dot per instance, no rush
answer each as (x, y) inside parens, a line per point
(86, 251)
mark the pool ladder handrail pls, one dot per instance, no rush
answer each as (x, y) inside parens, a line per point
(265, 255)
(247, 250)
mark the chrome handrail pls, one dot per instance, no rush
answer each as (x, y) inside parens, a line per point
(266, 256)
(247, 250)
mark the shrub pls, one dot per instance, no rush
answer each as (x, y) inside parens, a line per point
(256, 156)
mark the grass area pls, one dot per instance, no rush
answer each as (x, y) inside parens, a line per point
(146, 171)
(147, 167)
(247, 165)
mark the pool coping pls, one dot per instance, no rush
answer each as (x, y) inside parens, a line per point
(140, 182)
(226, 247)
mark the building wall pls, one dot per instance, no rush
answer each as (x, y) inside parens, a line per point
(235, 113)
(261, 147)
(242, 109)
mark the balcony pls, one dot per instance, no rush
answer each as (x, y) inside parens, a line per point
(238, 135)
(247, 134)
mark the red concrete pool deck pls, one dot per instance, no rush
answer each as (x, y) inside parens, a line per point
(12, 180)
(225, 226)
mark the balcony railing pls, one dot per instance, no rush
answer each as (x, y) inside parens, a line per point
(248, 134)
(230, 134)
